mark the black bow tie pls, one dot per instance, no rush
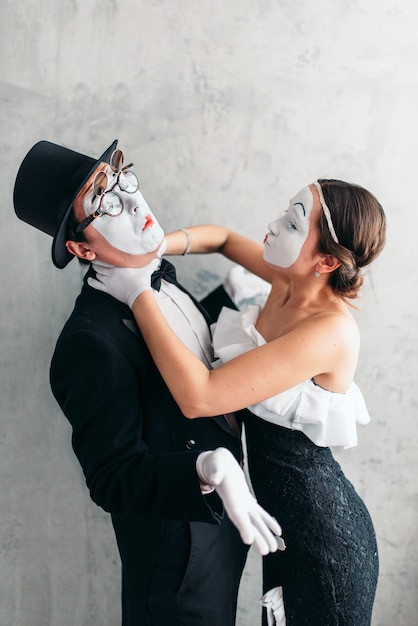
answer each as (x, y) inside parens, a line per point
(166, 271)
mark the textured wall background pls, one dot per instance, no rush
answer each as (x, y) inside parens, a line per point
(227, 108)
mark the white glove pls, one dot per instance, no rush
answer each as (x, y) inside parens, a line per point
(123, 283)
(220, 469)
(241, 285)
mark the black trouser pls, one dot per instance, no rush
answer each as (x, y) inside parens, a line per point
(197, 575)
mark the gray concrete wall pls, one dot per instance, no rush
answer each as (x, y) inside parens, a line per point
(227, 108)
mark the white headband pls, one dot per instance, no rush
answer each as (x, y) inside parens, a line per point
(326, 211)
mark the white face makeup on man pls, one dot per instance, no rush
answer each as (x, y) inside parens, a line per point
(283, 243)
(135, 230)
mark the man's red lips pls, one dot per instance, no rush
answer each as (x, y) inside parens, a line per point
(148, 222)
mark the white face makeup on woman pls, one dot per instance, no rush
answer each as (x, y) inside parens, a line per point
(125, 219)
(283, 243)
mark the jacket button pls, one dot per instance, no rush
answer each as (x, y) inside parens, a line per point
(190, 444)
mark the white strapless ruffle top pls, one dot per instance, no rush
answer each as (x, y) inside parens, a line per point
(327, 418)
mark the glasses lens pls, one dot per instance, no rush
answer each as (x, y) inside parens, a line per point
(116, 161)
(100, 184)
(111, 204)
(128, 182)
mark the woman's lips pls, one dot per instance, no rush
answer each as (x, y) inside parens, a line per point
(148, 222)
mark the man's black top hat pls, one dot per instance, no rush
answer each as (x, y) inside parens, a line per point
(46, 186)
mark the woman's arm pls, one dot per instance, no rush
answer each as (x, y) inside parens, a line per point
(197, 239)
(315, 347)
(206, 239)
(322, 345)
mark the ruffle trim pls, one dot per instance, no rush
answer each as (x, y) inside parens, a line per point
(327, 418)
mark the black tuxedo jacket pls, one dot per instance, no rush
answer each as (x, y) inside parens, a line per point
(137, 450)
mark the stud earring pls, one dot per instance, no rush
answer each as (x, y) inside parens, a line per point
(317, 274)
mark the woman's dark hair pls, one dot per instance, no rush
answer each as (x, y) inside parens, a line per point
(360, 225)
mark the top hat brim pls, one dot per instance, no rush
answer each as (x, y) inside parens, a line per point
(60, 255)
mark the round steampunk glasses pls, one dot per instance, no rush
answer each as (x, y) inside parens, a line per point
(110, 202)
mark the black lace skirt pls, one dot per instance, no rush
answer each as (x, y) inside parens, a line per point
(330, 566)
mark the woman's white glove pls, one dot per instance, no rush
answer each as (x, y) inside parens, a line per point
(123, 283)
(242, 285)
(220, 469)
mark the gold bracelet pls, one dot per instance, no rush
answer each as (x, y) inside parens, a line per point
(189, 241)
